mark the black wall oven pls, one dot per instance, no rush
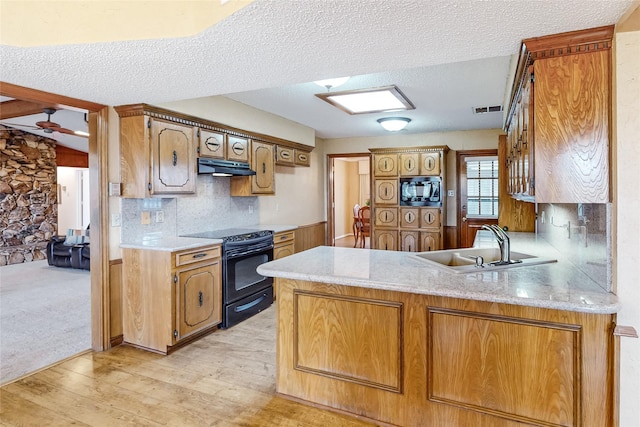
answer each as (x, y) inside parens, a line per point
(244, 291)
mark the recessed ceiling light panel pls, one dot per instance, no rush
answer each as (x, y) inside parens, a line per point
(363, 101)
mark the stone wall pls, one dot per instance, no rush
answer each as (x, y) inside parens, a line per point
(28, 198)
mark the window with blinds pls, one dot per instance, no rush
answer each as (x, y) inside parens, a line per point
(482, 187)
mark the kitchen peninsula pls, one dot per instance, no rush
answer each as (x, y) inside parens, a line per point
(382, 335)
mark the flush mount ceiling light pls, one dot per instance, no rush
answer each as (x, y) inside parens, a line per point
(362, 101)
(331, 83)
(394, 124)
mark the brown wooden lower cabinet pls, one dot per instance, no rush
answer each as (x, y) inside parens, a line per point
(417, 360)
(170, 298)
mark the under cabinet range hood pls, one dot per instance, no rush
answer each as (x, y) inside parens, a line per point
(218, 167)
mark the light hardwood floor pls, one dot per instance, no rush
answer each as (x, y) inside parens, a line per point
(224, 379)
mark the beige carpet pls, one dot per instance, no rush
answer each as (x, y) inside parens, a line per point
(45, 316)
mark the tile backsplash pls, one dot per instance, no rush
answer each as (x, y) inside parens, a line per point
(582, 232)
(210, 208)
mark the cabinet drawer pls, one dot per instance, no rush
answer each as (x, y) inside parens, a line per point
(286, 236)
(284, 250)
(196, 255)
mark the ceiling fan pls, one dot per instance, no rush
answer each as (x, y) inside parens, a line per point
(50, 127)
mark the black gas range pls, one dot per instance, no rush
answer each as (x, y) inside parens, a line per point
(244, 291)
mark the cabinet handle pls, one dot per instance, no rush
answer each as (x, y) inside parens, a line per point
(175, 278)
(175, 158)
(200, 255)
(264, 167)
(200, 298)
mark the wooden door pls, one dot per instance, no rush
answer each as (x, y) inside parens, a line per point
(471, 218)
(385, 165)
(409, 164)
(212, 144)
(237, 148)
(172, 158)
(386, 217)
(409, 241)
(386, 191)
(385, 239)
(263, 164)
(430, 164)
(199, 298)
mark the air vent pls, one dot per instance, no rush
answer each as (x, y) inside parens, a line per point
(482, 110)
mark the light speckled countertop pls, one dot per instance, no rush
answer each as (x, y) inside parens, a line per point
(171, 244)
(557, 285)
(177, 243)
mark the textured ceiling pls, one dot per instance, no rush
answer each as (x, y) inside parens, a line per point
(446, 56)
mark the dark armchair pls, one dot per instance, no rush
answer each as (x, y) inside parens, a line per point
(69, 251)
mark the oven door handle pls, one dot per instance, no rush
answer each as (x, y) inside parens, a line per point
(248, 305)
(249, 252)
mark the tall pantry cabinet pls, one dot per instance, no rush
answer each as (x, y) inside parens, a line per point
(408, 205)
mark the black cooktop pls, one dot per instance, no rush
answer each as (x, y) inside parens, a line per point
(231, 234)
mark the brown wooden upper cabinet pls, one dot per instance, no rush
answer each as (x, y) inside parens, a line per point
(237, 148)
(157, 154)
(263, 182)
(212, 144)
(385, 164)
(559, 119)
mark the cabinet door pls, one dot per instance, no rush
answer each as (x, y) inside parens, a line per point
(262, 160)
(386, 217)
(430, 218)
(285, 156)
(409, 217)
(172, 158)
(303, 158)
(430, 164)
(199, 298)
(237, 148)
(409, 164)
(409, 241)
(386, 191)
(212, 144)
(385, 239)
(385, 165)
(429, 241)
(572, 128)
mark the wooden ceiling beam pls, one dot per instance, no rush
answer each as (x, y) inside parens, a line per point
(58, 102)
(18, 108)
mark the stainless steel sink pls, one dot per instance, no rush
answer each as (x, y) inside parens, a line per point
(466, 260)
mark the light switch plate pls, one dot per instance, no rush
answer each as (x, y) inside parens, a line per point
(114, 189)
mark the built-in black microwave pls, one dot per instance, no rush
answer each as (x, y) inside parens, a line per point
(421, 191)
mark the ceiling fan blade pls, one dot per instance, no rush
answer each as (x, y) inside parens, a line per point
(19, 125)
(47, 125)
(71, 132)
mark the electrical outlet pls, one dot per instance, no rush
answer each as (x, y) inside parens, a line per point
(116, 220)
(159, 216)
(145, 218)
(451, 193)
(250, 209)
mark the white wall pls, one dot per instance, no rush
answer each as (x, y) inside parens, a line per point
(73, 201)
(626, 231)
(461, 140)
(233, 113)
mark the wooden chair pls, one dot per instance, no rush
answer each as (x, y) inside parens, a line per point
(364, 219)
(356, 224)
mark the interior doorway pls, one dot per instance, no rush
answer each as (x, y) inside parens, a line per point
(477, 193)
(98, 167)
(349, 185)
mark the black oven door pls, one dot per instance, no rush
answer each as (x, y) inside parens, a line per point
(241, 278)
